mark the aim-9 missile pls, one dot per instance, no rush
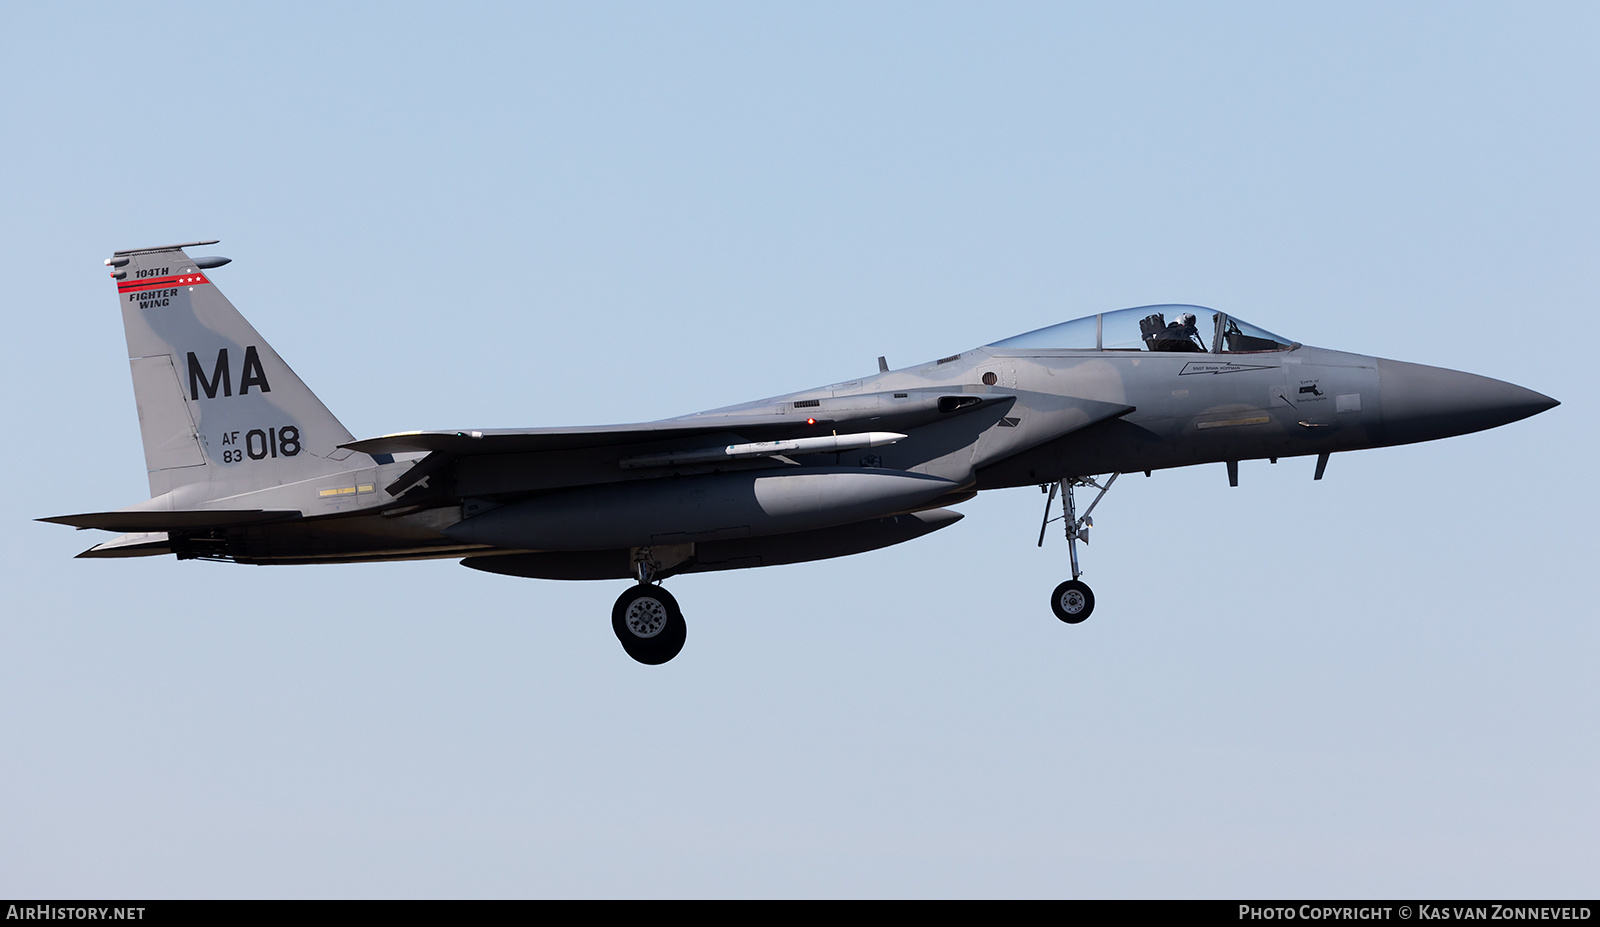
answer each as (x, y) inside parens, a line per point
(825, 444)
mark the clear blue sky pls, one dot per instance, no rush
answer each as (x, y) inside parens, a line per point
(1381, 684)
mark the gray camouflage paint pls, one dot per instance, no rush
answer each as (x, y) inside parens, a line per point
(246, 464)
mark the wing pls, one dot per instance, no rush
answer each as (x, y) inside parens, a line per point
(514, 441)
(804, 418)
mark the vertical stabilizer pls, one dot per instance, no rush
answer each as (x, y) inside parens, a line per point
(219, 411)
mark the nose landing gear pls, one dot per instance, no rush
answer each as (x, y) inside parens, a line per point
(1072, 601)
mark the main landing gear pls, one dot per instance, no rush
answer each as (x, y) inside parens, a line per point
(647, 620)
(1072, 601)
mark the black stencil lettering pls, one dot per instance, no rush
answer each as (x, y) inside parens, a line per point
(220, 375)
(252, 374)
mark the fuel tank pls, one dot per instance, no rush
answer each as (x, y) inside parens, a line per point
(713, 556)
(679, 510)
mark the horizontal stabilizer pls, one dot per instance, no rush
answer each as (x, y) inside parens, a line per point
(158, 520)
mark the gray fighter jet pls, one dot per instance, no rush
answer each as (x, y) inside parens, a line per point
(246, 464)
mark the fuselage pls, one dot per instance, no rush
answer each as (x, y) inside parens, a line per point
(245, 463)
(1086, 397)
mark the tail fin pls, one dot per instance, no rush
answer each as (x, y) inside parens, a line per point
(219, 411)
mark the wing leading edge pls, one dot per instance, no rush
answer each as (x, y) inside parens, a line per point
(522, 441)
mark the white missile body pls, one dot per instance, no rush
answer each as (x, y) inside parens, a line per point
(825, 444)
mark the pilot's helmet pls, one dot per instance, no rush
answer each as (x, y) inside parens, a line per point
(1186, 319)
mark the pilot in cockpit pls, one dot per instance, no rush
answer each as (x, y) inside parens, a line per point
(1180, 335)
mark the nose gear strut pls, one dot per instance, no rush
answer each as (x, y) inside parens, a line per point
(1072, 601)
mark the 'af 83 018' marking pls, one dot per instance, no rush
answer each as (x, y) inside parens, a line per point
(256, 444)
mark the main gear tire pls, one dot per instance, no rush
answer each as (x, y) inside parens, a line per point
(649, 624)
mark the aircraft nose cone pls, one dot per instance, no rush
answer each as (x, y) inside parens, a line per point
(1420, 403)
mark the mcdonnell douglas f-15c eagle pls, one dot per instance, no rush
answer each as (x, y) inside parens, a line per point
(246, 464)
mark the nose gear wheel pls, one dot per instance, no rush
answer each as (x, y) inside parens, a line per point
(1072, 601)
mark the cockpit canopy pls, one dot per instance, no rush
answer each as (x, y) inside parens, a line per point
(1174, 329)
